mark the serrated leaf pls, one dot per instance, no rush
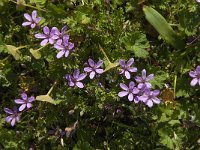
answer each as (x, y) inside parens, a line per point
(162, 27)
(14, 51)
(47, 98)
(36, 54)
(138, 43)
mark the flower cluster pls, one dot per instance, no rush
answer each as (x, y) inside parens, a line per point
(52, 36)
(140, 90)
(14, 114)
(92, 68)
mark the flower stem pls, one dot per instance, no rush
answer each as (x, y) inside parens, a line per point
(42, 47)
(101, 49)
(175, 79)
(51, 89)
(29, 6)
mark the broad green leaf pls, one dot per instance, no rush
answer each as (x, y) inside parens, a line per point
(136, 42)
(14, 51)
(162, 27)
(47, 98)
(36, 54)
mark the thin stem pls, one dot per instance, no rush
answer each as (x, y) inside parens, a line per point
(175, 79)
(29, 6)
(101, 49)
(51, 89)
(42, 47)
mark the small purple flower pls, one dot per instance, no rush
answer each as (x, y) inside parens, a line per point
(74, 80)
(126, 68)
(196, 76)
(61, 34)
(31, 20)
(48, 36)
(150, 97)
(131, 91)
(65, 49)
(94, 68)
(14, 115)
(25, 101)
(144, 80)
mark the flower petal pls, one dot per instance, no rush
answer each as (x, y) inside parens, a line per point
(124, 87)
(143, 98)
(76, 73)
(34, 14)
(99, 63)
(131, 85)
(64, 29)
(143, 74)
(149, 103)
(44, 42)
(156, 100)
(37, 20)
(51, 40)
(13, 122)
(22, 107)
(87, 69)
(127, 74)
(29, 105)
(19, 101)
(155, 92)
(194, 82)
(33, 25)
(79, 84)
(132, 69)
(31, 99)
(60, 54)
(71, 83)
(91, 62)
(58, 46)
(81, 77)
(46, 30)
(198, 69)
(122, 63)
(28, 17)
(123, 93)
(40, 36)
(26, 23)
(135, 91)
(9, 118)
(192, 74)
(8, 111)
(99, 71)
(66, 53)
(92, 74)
(130, 97)
(130, 62)
(151, 76)
(24, 96)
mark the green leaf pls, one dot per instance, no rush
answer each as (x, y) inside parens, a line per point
(136, 42)
(36, 54)
(162, 27)
(47, 98)
(14, 51)
(111, 66)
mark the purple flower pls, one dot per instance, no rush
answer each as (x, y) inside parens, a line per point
(144, 80)
(48, 36)
(65, 49)
(14, 115)
(25, 101)
(94, 68)
(131, 91)
(126, 68)
(61, 34)
(196, 76)
(74, 80)
(31, 20)
(150, 97)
